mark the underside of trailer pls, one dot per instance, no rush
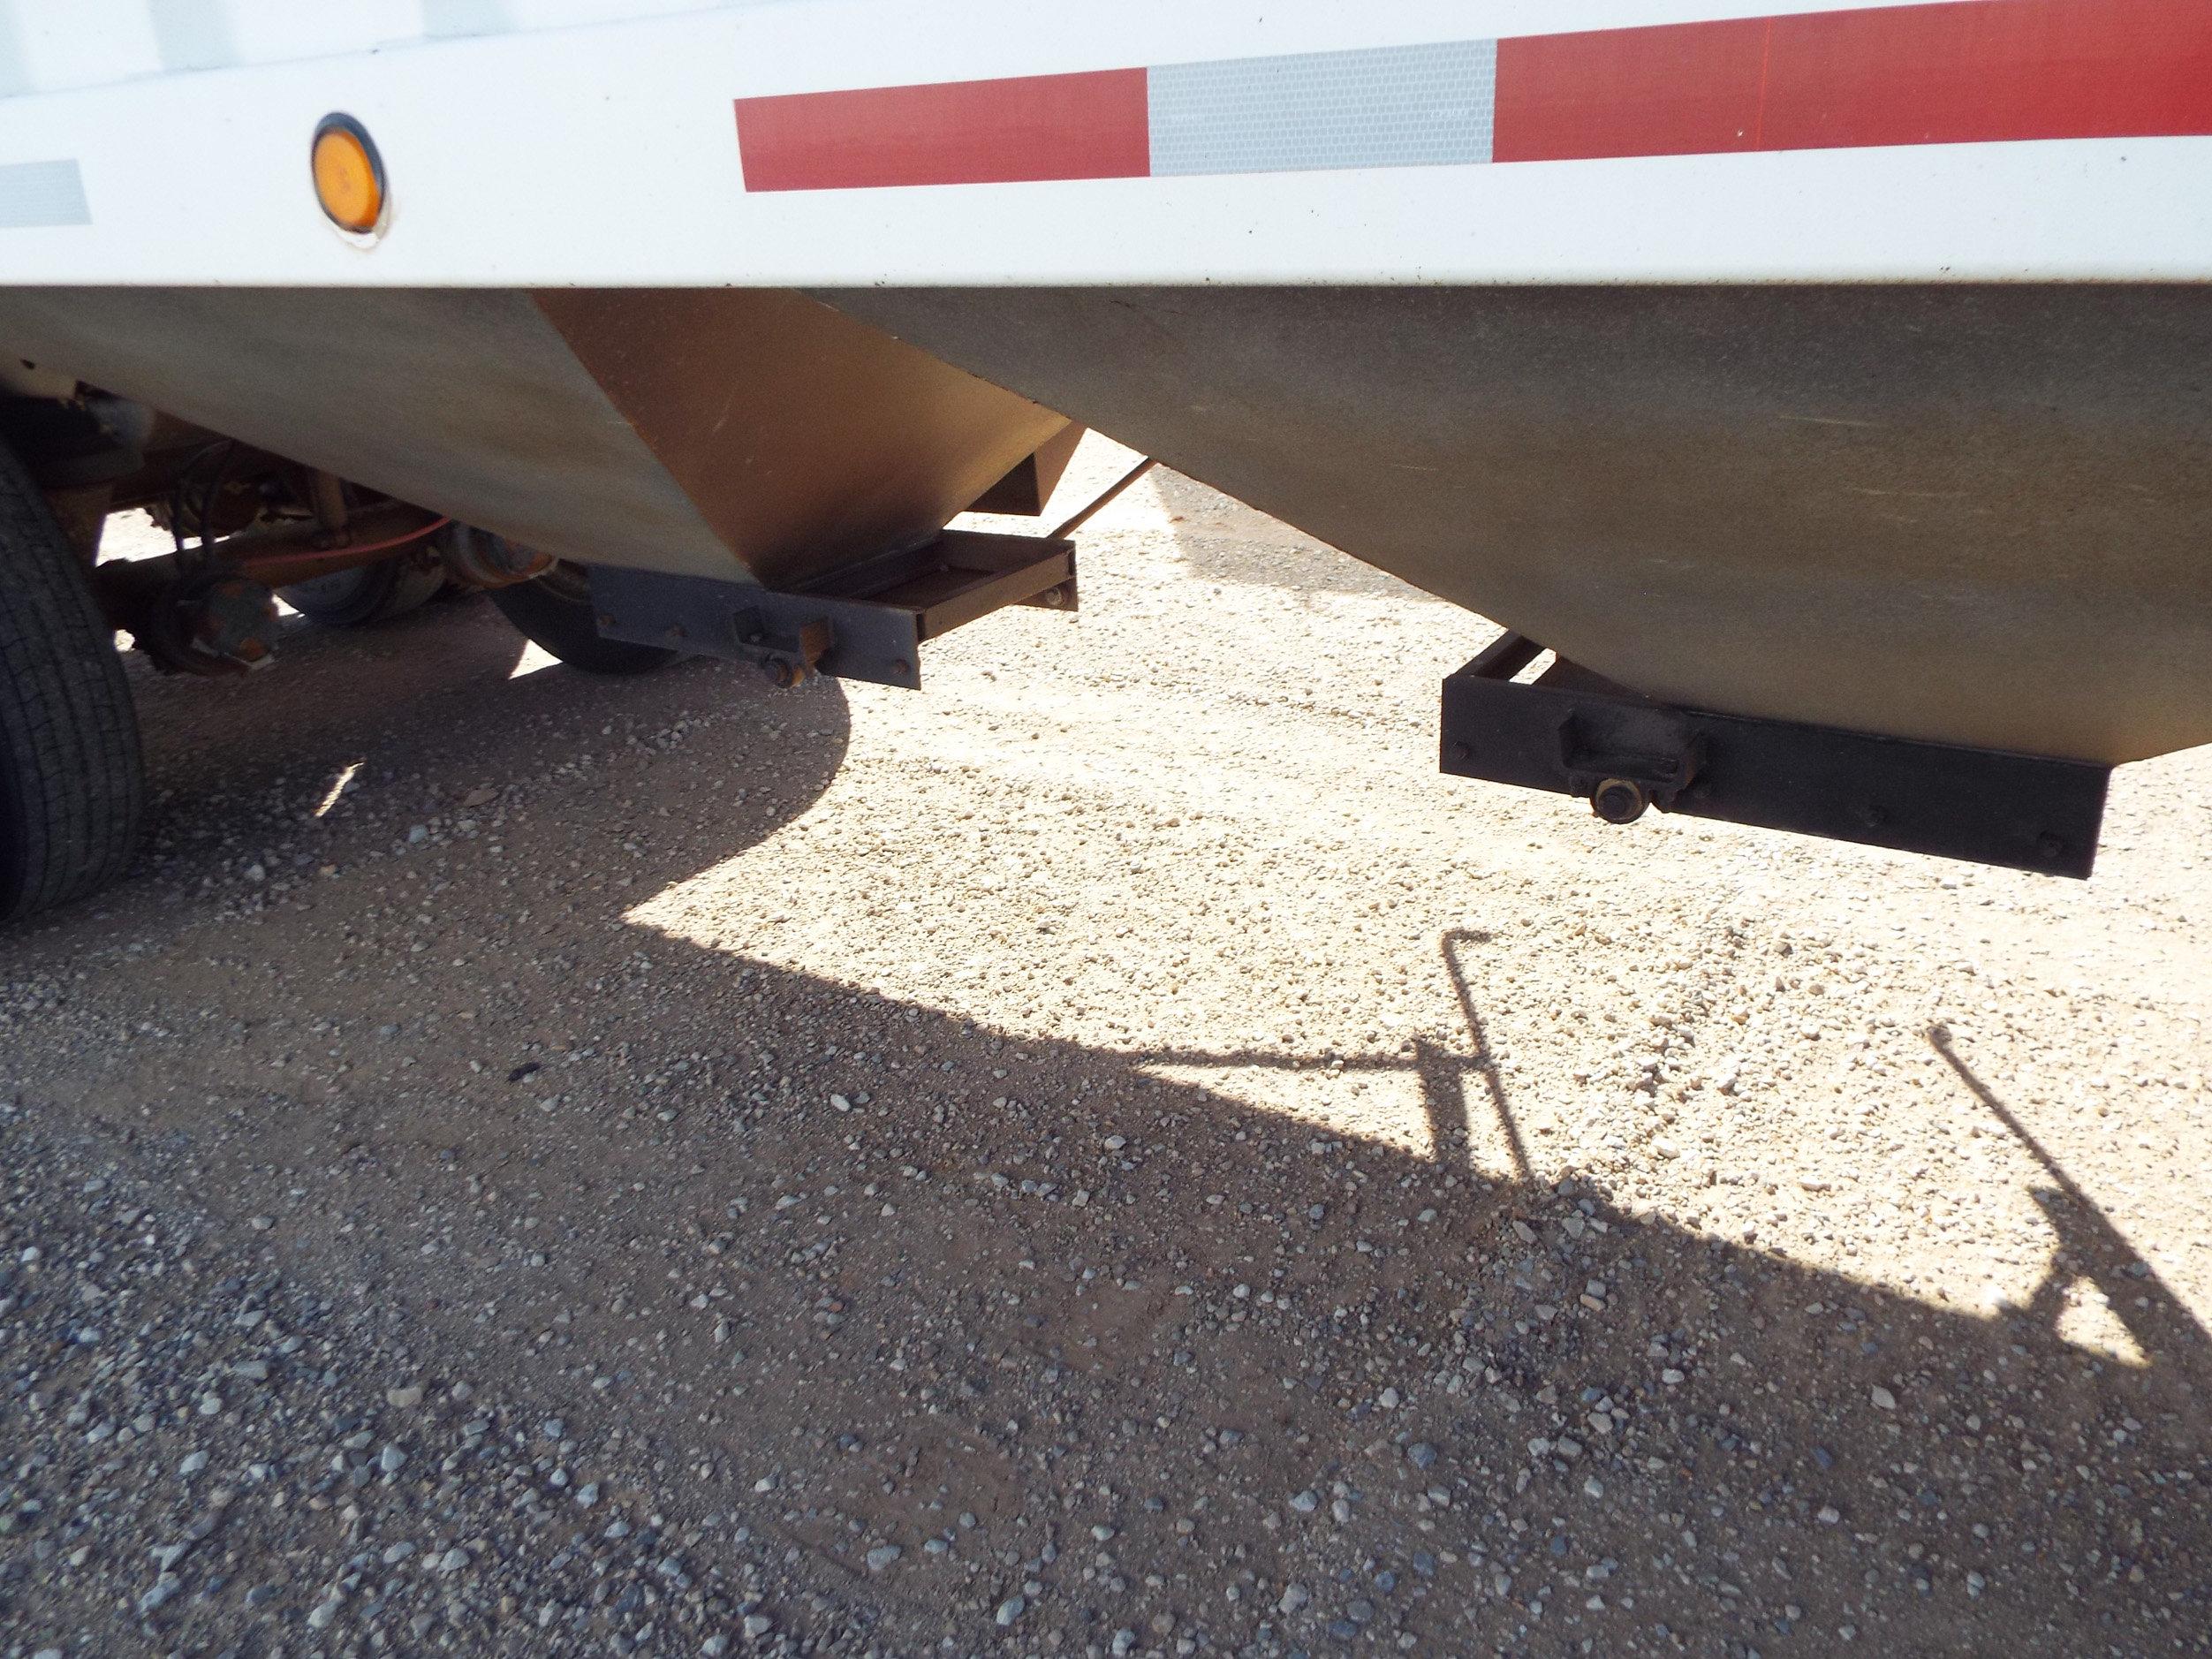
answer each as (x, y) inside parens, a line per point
(1817, 396)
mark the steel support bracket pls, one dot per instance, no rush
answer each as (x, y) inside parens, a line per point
(866, 621)
(1572, 733)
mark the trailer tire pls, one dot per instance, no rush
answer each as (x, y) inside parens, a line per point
(555, 611)
(361, 598)
(71, 784)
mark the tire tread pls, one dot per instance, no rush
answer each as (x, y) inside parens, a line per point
(72, 784)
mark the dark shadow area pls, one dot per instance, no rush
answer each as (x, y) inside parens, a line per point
(1443, 1072)
(790, 1256)
(1220, 540)
(355, 736)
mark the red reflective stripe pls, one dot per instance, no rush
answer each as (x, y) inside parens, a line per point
(1090, 125)
(1678, 89)
(1972, 71)
(2005, 69)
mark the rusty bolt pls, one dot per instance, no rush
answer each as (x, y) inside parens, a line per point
(1619, 800)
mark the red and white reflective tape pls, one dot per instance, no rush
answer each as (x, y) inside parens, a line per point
(1957, 72)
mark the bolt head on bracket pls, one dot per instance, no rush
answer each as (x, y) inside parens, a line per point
(1619, 800)
(1581, 735)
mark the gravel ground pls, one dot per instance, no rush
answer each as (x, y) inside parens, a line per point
(1112, 1155)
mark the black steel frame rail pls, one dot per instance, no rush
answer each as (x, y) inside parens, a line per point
(865, 621)
(1572, 733)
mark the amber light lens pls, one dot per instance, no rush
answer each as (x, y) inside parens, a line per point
(349, 180)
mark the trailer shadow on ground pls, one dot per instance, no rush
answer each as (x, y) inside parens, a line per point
(841, 1270)
(1220, 540)
(355, 736)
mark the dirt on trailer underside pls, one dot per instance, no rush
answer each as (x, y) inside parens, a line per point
(1111, 1154)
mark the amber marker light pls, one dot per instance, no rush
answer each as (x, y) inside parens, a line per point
(349, 176)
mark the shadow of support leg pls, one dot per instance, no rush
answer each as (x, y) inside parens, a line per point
(1432, 1086)
(2088, 1246)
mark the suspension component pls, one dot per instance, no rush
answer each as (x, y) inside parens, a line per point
(479, 560)
(210, 611)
